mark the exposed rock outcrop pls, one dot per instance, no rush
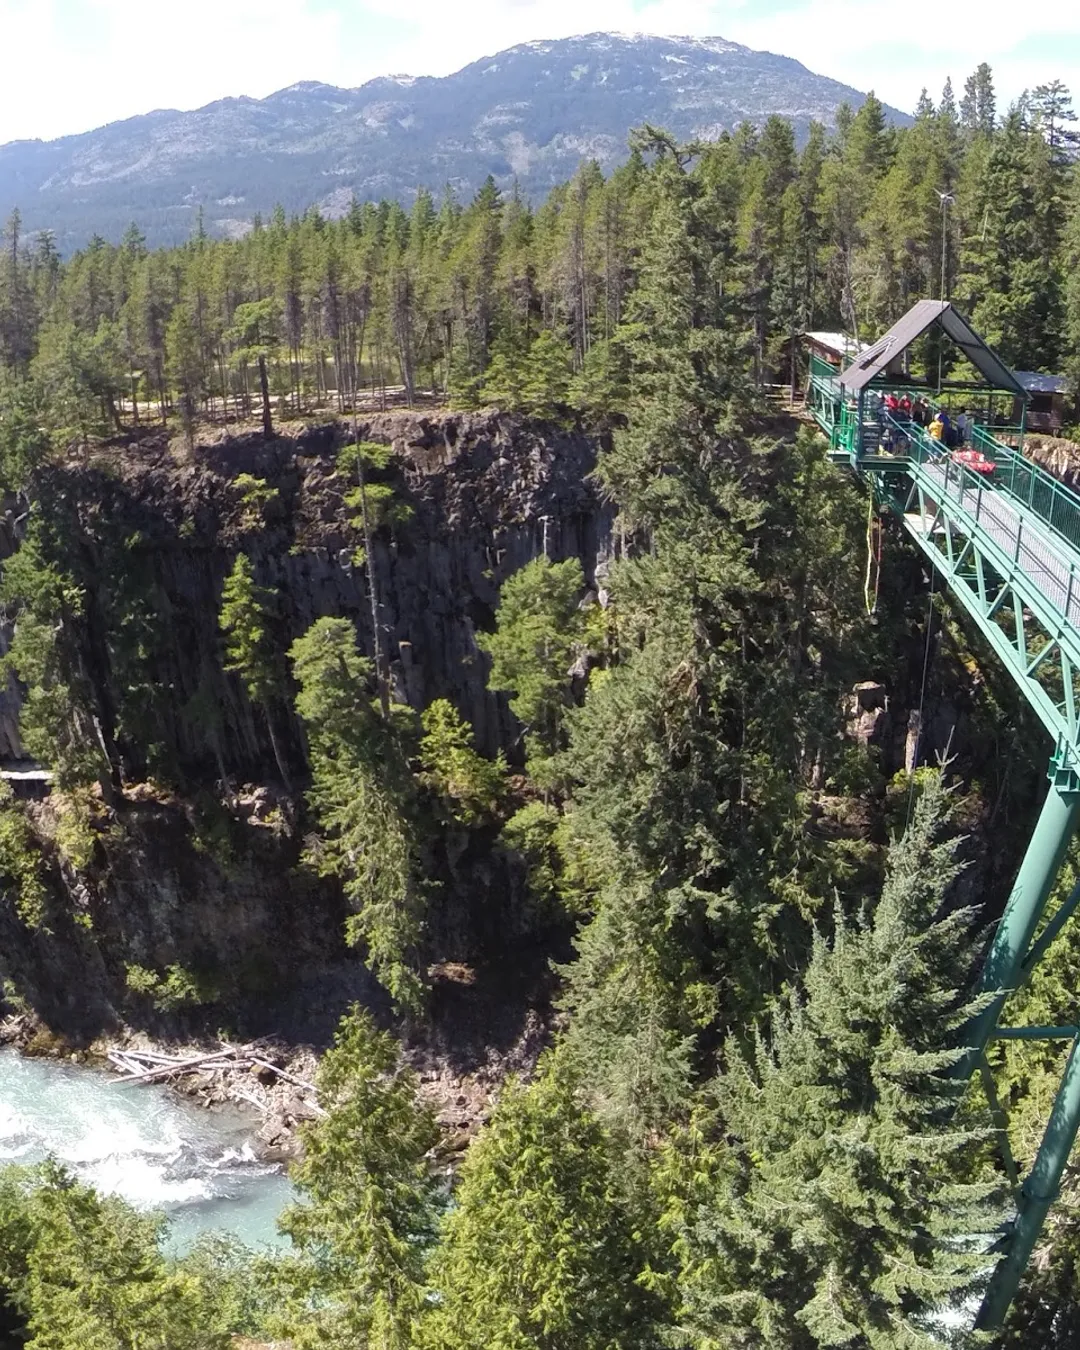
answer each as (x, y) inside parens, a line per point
(179, 880)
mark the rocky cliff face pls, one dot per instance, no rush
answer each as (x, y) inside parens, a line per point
(176, 878)
(487, 493)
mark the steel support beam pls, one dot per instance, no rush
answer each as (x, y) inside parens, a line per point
(1037, 1194)
(1004, 969)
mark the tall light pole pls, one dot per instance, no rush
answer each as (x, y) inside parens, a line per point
(945, 198)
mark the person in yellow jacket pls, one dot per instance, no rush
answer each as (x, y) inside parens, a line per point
(936, 429)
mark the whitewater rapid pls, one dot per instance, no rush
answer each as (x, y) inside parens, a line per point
(141, 1142)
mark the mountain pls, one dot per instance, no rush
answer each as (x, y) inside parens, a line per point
(531, 113)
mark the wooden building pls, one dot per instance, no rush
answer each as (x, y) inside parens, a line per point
(1049, 406)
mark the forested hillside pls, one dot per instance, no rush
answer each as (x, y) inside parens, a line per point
(554, 667)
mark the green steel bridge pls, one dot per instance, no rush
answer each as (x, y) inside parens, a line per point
(1004, 538)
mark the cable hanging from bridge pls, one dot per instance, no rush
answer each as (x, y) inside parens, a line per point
(873, 556)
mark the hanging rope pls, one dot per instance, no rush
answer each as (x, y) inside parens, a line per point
(873, 558)
(922, 694)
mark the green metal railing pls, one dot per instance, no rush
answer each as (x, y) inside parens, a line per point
(1041, 496)
(1036, 490)
(1042, 571)
(822, 369)
(1008, 547)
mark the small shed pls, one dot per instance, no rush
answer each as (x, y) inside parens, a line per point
(1048, 400)
(834, 349)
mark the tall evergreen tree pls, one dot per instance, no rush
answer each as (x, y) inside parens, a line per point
(540, 1249)
(360, 794)
(978, 107)
(246, 612)
(365, 1219)
(838, 1206)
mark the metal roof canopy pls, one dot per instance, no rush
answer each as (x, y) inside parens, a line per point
(914, 324)
(1035, 382)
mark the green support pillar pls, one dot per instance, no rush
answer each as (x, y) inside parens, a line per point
(1003, 969)
(1038, 1193)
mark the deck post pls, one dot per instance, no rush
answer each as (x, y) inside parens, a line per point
(1037, 1194)
(1003, 970)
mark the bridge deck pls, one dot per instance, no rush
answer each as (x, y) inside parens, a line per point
(1049, 563)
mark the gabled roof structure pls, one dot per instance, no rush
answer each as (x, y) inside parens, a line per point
(921, 317)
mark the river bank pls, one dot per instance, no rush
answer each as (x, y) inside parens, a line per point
(275, 1095)
(275, 1107)
(151, 1147)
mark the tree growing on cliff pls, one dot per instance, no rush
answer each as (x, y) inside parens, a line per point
(360, 795)
(246, 618)
(365, 1223)
(537, 625)
(471, 784)
(373, 505)
(25, 441)
(60, 721)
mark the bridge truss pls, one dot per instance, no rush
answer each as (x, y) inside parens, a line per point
(1006, 544)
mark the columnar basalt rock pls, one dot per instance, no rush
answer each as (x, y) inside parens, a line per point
(487, 493)
(180, 880)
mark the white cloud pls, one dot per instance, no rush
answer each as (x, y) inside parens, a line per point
(73, 64)
(873, 44)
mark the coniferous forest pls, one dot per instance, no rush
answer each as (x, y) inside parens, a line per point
(759, 938)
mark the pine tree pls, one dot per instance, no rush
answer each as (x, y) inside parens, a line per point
(469, 783)
(538, 623)
(360, 795)
(1012, 273)
(366, 1215)
(546, 377)
(96, 1279)
(540, 1248)
(978, 108)
(246, 614)
(685, 355)
(185, 367)
(61, 720)
(1051, 105)
(25, 441)
(841, 1206)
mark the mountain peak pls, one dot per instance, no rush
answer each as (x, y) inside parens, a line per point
(528, 116)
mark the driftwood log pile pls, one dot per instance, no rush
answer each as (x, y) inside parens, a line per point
(151, 1066)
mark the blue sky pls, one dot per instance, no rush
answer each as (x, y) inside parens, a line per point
(69, 65)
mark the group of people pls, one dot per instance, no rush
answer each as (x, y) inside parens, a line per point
(901, 408)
